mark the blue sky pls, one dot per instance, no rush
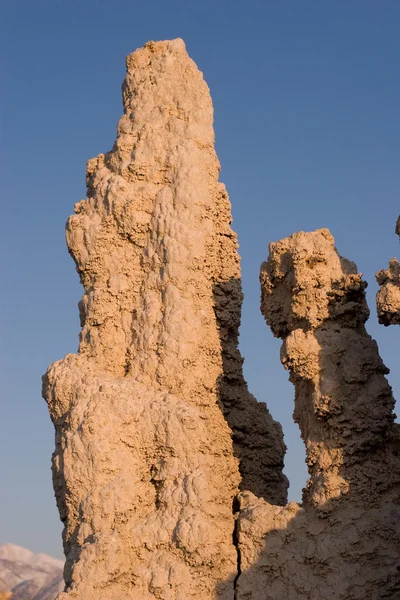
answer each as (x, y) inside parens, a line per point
(306, 98)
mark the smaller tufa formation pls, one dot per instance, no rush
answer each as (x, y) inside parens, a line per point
(388, 296)
(314, 300)
(344, 541)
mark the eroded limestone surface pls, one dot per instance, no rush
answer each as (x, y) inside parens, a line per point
(343, 542)
(144, 470)
(388, 296)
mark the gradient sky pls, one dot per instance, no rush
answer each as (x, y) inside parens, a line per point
(306, 96)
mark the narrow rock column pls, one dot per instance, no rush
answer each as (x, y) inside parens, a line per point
(315, 300)
(344, 541)
(388, 296)
(144, 470)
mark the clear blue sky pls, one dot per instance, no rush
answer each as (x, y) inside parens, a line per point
(306, 97)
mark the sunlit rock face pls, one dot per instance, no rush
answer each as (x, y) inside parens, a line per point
(388, 295)
(155, 428)
(167, 472)
(343, 542)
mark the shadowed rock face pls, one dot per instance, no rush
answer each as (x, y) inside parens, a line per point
(144, 470)
(344, 541)
(388, 296)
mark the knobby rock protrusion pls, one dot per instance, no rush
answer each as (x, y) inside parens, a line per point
(343, 542)
(144, 470)
(388, 295)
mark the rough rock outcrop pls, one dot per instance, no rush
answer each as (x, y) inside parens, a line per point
(344, 541)
(144, 471)
(388, 296)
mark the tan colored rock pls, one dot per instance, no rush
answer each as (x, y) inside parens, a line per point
(343, 543)
(144, 470)
(388, 296)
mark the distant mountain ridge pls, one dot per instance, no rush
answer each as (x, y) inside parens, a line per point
(30, 576)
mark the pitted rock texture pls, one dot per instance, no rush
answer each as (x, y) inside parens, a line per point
(388, 296)
(314, 299)
(144, 469)
(344, 541)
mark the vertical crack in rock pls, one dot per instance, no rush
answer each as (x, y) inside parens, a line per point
(235, 539)
(344, 541)
(388, 296)
(145, 414)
